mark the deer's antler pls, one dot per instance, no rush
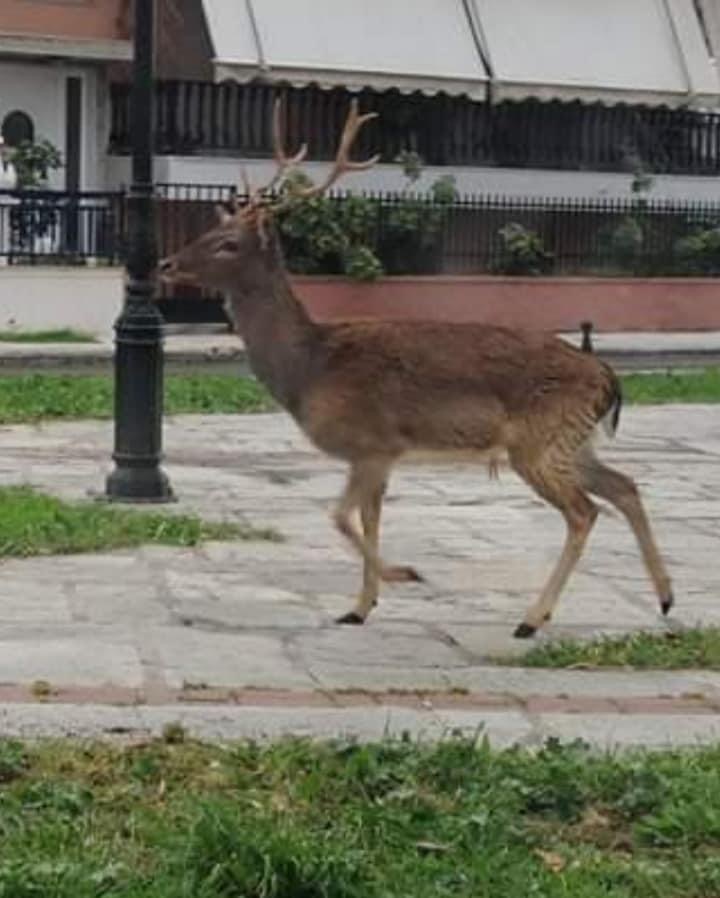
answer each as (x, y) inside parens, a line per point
(282, 160)
(342, 164)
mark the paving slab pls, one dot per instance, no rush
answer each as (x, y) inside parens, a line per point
(142, 627)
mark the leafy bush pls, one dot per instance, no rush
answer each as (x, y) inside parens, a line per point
(699, 253)
(625, 245)
(361, 236)
(411, 226)
(329, 236)
(523, 251)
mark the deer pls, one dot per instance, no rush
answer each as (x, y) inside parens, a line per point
(374, 393)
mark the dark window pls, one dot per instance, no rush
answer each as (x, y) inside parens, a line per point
(17, 126)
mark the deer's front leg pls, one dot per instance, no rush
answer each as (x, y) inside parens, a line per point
(365, 490)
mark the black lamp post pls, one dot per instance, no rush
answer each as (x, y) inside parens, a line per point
(139, 329)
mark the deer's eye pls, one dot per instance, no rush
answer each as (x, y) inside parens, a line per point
(229, 246)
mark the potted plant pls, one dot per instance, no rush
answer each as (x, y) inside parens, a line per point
(36, 219)
(34, 161)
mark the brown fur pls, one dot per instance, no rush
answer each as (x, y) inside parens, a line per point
(373, 393)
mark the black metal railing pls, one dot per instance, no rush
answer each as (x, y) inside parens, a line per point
(583, 236)
(234, 119)
(43, 226)
(469, 235)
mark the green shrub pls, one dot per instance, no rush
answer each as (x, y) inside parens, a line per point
(699, 253)
(522, 251)
(361, 237)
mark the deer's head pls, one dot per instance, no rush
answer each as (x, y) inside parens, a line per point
(244, 243)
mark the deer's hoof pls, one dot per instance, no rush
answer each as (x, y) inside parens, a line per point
(524, 631)
(352, 617)
(667, 603)
(402, 574)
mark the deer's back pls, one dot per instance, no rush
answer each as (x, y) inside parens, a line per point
(406, 387)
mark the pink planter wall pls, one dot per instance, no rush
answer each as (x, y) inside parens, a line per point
(557, 304)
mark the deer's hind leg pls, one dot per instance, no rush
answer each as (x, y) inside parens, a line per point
(557, 483)
(365, 491)
(621, 491)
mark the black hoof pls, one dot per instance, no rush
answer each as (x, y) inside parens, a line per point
(524, 631)
(666, 604)
(352, 617)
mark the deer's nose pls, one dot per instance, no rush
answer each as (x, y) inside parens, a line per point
(166, 266)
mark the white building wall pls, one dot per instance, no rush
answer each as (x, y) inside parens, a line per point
(39, 90)
(505, 181)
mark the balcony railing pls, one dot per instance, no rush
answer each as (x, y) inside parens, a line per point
(232, 119)
(46, 226)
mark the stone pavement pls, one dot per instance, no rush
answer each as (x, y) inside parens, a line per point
(238, 638)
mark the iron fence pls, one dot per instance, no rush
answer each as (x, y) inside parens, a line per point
(497, 234)
(410, 234)
(46, 226)
(234, 119)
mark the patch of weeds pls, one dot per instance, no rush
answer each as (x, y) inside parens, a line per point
(683, 649)
(32, 523)
(61, 335)
(36, 397)
(174, 733)
(41, 689)
(341, 820)
(13, 760)
(687, 386)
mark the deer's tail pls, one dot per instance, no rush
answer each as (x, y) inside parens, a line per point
(611, 416)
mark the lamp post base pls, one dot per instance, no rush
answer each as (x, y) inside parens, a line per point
(128, 483)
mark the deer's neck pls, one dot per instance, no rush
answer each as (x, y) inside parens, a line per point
(280, 338)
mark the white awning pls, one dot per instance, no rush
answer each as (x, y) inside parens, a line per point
(710, 11)
(632, 51)
(425, 45)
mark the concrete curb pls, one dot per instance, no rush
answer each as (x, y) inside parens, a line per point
(502, 728)
(224, 353)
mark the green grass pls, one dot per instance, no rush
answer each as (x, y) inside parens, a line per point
(62, 335)
(175, 819)
(32, 523)
(689, 386)
(36, 397)
(696, 648)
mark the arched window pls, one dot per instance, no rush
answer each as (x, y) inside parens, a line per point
(17, 126)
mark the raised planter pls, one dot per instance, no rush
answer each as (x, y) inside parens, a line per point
(553, 304)
(89, 299)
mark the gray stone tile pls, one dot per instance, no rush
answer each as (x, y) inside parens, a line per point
(198, 655)
(262, 611)
(615, 731)
(63, 661)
